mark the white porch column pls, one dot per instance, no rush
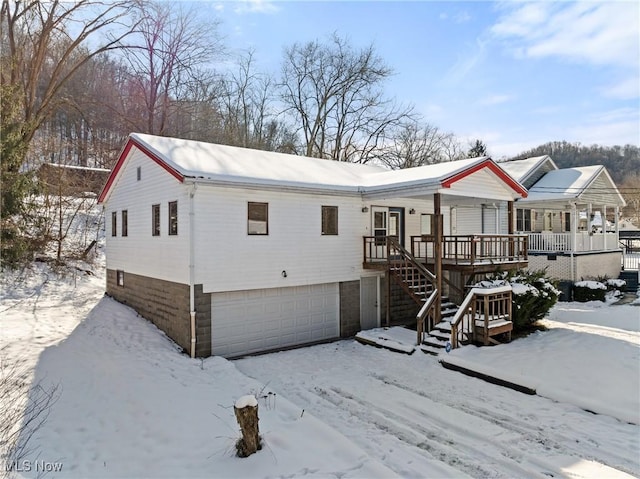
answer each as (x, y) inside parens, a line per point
(574, 237)
(590, 225)
(615, 227)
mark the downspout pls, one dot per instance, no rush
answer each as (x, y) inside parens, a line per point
(192, 294)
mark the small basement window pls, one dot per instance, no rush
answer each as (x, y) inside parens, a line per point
(173, 217)
(114, 223)
(120, 278)
(329, 220)
(258, 218)
(125, 223)
(155, 220)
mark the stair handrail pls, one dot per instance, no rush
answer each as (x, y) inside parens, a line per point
(391, 241)
(468, 306)
(462, 312)
(424, 313)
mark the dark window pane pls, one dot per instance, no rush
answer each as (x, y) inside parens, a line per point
(155, 219)
(173, 217)
(258, 218)
(329, 220)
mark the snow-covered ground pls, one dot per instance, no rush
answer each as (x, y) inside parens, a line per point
(131, 405)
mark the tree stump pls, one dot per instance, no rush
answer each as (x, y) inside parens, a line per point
(246, 410)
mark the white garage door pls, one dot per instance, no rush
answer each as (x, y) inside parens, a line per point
(251, 321)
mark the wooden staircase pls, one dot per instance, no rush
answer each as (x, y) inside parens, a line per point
(483, 316)
(435, 341)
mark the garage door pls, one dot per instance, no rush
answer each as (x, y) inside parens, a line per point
(251, 321)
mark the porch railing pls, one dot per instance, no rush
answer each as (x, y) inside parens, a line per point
(548, 242)
(473, 249)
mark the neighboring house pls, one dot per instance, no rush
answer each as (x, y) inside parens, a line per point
(565, 217)
(232, 251)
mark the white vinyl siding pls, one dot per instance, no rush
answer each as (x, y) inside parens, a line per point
(244, 322)
(164, 257)
(482, 184)
(468, 220)
(230, 259)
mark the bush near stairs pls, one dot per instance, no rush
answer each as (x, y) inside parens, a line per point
(534, 294)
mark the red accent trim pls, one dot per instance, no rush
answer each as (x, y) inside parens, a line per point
(489, 163)
(123, 155)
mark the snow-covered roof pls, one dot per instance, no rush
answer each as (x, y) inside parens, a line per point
(566, 184)
(522, 169)
(208, 161)
(212, 163)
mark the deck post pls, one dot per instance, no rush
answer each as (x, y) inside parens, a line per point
(511, 229)
(437, 253)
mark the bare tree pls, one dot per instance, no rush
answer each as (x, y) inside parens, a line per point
(416, 144)
(247, 110)
(172, 44)
(334, 94)
(630, 189)
(44, 44)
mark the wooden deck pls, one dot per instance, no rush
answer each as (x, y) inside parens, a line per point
(468, 254)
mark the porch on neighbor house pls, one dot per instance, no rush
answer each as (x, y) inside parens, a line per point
(570, 226)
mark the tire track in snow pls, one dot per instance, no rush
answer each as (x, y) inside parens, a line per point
(458, 450)
(534, 434)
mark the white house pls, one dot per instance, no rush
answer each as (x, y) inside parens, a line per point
(570, 217)
(232, 251)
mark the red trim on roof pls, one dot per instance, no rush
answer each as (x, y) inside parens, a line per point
(131, 142)
(488, 163)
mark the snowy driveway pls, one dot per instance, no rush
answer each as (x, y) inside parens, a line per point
(421, 420)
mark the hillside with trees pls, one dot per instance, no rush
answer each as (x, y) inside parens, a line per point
(620, 161)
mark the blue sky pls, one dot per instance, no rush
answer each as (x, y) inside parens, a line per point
(514, 74)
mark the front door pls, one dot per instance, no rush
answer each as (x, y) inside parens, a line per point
(396, 224)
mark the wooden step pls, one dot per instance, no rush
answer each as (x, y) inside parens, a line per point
(430, 349)
(440, 335)
(434, 342)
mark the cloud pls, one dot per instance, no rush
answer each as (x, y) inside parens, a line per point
(255, 6)
(465, 65)
(462, 17)
(628, 89)
(589, 32)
